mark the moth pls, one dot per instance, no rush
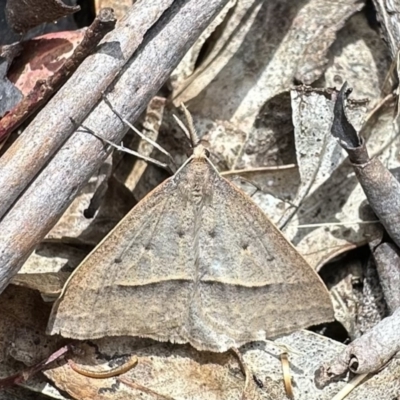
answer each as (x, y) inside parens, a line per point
(196, 261)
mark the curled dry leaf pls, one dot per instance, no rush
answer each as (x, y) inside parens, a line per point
(381, 187)
(22, 16)
(367, 354)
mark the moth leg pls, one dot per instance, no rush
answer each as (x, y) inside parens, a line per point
(96, 374)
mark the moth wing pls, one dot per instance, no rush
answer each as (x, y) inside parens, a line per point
(138, 279)
(253, 284)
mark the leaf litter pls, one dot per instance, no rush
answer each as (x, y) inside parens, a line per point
(273, 139)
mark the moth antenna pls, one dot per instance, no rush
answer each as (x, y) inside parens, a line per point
(194, 138)
(183, 127)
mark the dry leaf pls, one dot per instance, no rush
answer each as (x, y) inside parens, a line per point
(23, 318)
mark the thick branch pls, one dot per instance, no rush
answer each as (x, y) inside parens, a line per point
(38, 209)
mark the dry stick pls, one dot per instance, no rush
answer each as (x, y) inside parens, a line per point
(27, 373)
(52, 126)
(349, 387)
(44, 89)
(387, 261)
(42, 204)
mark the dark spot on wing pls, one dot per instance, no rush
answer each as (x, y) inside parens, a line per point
(212, 234)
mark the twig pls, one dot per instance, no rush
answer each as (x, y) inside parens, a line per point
(287, 377)
(52, 126)
(42, 204)
(96, 374)
(387, 260)
(349, 387)
(44, 89)
(27, 373)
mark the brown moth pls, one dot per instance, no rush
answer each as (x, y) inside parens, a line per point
(196, 261)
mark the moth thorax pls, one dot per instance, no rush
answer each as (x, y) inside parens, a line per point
(200, 152)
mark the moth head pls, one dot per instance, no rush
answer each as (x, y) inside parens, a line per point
(201, 151)
(199, 146)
